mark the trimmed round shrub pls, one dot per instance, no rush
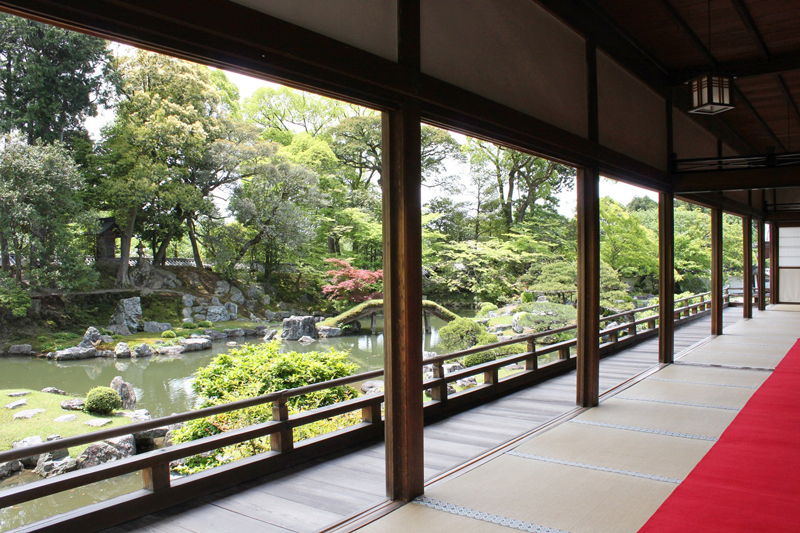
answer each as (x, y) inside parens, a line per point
(169, 334)
(102, 401)
(189, 325)
(463, 333)
(183, 333)
(526, 297)
(204, 324)
(485, 307)
(478, 358)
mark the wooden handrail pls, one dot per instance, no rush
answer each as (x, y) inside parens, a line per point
(155, 464)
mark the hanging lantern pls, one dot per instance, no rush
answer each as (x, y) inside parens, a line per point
(711, 94)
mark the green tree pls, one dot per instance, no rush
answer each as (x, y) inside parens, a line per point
(51, 79)
(625, 243)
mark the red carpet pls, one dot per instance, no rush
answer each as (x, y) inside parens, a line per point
(750, 479)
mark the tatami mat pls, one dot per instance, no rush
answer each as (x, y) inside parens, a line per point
(604, 446)
(609, 468)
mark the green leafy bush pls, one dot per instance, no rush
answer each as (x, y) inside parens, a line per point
(169, 334)
(254, 370)
(102, 401)
(204, 324)
(478, 358)
(463, 333)
(183, 333)
(189, 325)
(485, 307)
(526, 297)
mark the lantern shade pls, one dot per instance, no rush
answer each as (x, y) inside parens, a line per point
(711, 94)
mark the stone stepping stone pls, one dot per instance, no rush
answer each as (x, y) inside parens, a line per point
(97, 422)
(16, 404)
(66, 418)
(18, 394)
(28, 414)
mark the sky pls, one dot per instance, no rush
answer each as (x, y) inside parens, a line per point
(621, 192)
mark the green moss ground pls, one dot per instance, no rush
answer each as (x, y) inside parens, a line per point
(42, 424)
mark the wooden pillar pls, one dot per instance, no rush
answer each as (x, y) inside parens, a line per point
(761, 275)
(773, 263)
(666, 278)
(402, 304)
(716, 271)
(747, 266)
(588, 359)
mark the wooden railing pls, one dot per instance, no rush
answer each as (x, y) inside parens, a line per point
(161, 491)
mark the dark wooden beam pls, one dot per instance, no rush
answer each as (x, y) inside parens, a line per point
(592, 102)
(787, 95)
(783, 217)
(746, 68)
(747, 266)
(740, 98)
(774, 281)
(716, 272)
(752, 29)
(689, 33)
(588, 356)
(761, 272)
(737, 180)
(717, 200)
(666, 278)
(402, 308)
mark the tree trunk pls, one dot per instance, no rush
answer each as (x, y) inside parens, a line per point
(4, 257)
(198, 261)
(249, 244)
(123, 276)
(160, 257)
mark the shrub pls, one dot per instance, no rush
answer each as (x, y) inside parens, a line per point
(485, 307)
(526, 297)
(169, 334)
(204, 324)
(463, 333)
(102, 401)
(189, 325)
(478, 358)
(183, 333)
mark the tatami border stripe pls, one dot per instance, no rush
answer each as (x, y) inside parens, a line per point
(726, 367)
(703, 383)
(452, 508)
(679, 403)
(700, 351)
(646, 430)
(594, 467)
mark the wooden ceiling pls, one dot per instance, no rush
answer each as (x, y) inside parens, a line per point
(757, 41)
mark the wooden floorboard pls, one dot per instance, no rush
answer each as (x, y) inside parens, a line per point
(309, 497)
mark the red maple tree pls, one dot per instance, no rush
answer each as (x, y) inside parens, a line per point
(353, 284)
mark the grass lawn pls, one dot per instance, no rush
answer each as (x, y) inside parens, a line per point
(42, 424)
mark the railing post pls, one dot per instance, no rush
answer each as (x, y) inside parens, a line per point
(716, 271)
(563, 353)
(371, 413)
(491, 377)
(156, 478)
(532, 361)
(666, 281)
(439, 392)
(632, 323)
(283, 440)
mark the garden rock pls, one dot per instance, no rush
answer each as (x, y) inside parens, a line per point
(16, 404)
(53, 390)
(28, 462)
(18, 394)
(8, 468)
(126, 393)
(106, 339)
(170, 350)
(128, 313)
(296, 327)
(249, 332)
(146, 440)
(374, 386)
(97, 422)
(188, 300)
(193, 345)
(90, 338)
(157, 327)
(306, 340)
(236, 295)
(75, 404)
(541, 298)
(238, 332)
(55, 467)
(233, 310)
(467, 382)
(214, 334)
(223, 287)
(327, 332)
(515, 323)
(231, 343)
(119, 330)
(28, 414)
(217, 313)
(452, 367)
(122, 350)
(270, 334)
(108, 354)
(97, 454)
(20, 349)
(143, 350)
(65, 418)
(126, 445)
(74, 353)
